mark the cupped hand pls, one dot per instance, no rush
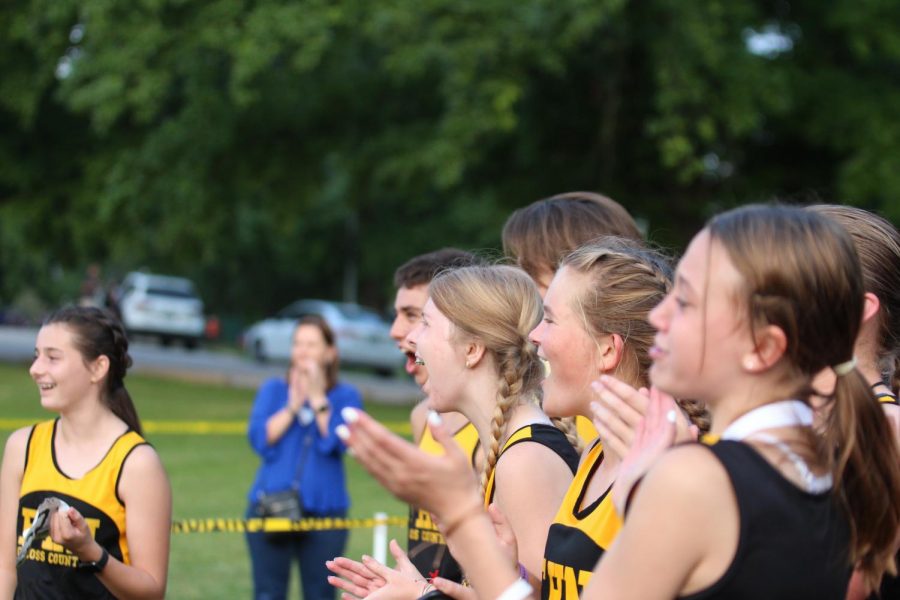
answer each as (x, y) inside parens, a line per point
(398, 585)
(360, 580)
(617, 409)
(314, 375)
(654, 434)
(353, 577)
(444, 485)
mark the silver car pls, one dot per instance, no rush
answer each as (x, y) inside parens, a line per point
(363, 337)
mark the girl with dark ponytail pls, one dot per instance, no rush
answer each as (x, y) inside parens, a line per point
(111, 497)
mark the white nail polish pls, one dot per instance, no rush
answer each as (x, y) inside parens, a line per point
(350, 414)
(342, 432)
(670, 416)
(434, 418)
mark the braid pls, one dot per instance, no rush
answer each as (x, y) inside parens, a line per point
(696, 412)
(519, 368)
(568, 427)
(122, 361)
(507, 398)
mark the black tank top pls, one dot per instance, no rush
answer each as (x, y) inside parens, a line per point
(792, 545)
(540, 433)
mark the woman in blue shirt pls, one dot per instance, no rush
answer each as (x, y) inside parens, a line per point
(292, 428)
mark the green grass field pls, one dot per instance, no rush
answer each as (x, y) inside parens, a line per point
(210, 474)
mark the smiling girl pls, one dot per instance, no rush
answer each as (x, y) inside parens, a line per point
(764, 298)
(113, 540)
(595, 323)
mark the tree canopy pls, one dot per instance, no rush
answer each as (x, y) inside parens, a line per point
(276, 149)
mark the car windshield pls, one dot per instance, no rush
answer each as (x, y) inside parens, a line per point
(348, 311)
(354, 312)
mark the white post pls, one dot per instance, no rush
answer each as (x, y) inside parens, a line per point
(380, 538)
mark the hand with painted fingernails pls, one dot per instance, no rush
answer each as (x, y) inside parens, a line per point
(444, 485)
(654, 434)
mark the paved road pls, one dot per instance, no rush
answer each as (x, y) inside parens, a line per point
(17, 345)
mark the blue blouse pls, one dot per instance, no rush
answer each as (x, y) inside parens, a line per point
(322, 483)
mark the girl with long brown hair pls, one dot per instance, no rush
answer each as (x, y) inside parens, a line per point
(105, 496)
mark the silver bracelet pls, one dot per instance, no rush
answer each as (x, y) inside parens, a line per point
(518, 590)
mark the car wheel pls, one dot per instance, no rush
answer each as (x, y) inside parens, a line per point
(259, 351)
(190, 343)
(382, 372)
(165, 341)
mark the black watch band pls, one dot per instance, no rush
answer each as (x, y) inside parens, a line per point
(95, 566)
(324, 408)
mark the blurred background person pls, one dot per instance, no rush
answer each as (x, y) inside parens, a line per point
(292, 428)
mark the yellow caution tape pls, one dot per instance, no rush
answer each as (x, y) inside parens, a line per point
(280, 525)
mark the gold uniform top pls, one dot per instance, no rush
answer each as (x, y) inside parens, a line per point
(426, 546)
(586, 430)
(886, 398)
(48, 571)
(578, 536)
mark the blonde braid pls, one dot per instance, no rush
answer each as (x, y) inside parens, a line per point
(514, 370)
(567, 426)
(696, 412)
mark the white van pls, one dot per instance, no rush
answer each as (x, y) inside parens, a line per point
(162, 306)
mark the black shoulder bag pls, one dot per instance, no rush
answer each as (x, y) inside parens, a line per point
(286, 504)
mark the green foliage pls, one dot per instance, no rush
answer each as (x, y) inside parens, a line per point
(263, 148)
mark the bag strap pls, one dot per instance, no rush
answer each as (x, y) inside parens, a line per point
(307, 442)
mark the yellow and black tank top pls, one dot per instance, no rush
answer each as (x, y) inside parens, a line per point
(540, 433)
(886, 398)
(426, 547)
(48, 571)
(578, 537)
(586, 430)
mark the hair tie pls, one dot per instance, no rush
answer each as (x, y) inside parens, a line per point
(845, 367)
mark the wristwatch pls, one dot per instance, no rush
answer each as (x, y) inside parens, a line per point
(95, 566)
(322, 409)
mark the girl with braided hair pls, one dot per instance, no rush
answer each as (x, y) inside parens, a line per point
(473, 339)
(109, 528)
